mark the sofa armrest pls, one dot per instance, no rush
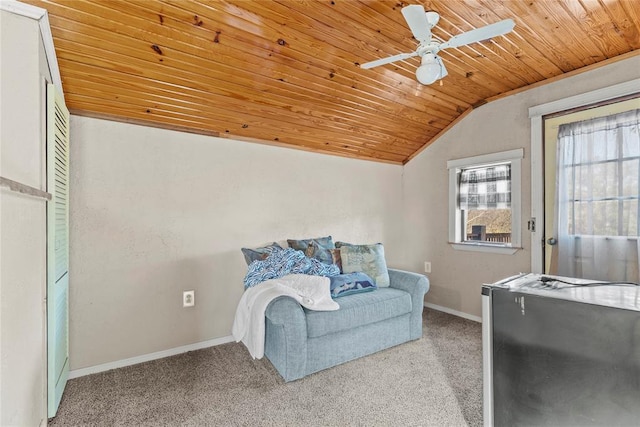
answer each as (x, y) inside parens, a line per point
(286, 337)
(417, 285)
(285, 310)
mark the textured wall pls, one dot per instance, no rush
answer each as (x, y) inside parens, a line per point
(23, 237)
(501, 125)
(155, 212)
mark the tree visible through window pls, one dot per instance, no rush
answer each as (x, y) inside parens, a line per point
(495, 223)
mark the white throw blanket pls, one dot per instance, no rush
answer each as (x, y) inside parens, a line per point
(311, 292)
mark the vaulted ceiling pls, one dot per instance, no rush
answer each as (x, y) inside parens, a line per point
(288, 72)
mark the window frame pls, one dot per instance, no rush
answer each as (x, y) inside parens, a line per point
(455, 167)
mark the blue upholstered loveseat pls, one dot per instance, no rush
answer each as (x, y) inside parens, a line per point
(299, 342)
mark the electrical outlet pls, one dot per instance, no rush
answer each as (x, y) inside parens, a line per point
(188, 298)
(427, 267)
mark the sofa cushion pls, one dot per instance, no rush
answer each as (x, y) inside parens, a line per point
(358, 310)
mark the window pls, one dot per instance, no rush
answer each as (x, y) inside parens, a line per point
(484, 202)
(598, 191)
(542, 199)
(599, 170)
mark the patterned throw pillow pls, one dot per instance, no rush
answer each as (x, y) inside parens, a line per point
(347, 284)
(318, 248)
(368, 259)
(303, 244)
(322, 254)
(258, 254)
(335, 258)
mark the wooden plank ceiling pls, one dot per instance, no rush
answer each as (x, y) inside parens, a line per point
(287, 72)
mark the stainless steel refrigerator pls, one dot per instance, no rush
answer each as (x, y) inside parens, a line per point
(560, 354)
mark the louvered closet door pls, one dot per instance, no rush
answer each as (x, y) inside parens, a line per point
(57, 247)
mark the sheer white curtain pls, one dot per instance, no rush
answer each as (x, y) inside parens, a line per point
(597, 194)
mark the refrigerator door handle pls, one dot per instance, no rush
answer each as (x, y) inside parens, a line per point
(487, 358)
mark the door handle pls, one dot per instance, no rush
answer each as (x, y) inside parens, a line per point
(552, 241)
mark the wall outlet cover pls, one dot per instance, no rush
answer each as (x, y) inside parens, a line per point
(188, 298)
(427, 267)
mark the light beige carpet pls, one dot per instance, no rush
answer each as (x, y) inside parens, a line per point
(433, 381)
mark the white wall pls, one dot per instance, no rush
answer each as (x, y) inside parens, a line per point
(22, 224)
(156, 212)
(501, 125)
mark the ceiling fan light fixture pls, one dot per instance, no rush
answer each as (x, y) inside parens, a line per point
(429, 71)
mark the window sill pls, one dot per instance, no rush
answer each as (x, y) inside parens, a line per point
(479, 247)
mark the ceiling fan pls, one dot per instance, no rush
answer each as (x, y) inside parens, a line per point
(421, 23)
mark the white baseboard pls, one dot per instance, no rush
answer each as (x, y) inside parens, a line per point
(147, 357)
(76, 373)
(454, 312)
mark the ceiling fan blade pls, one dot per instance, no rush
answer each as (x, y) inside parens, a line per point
(416, 18)
(388, 60)
(479, 34)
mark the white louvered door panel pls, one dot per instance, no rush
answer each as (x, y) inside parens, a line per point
(57, 247)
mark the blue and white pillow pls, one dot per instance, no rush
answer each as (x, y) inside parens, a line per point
(251, 255)
(366, 258)
(303, 244)
(318, 248)
(319, 252)
(351, 283)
